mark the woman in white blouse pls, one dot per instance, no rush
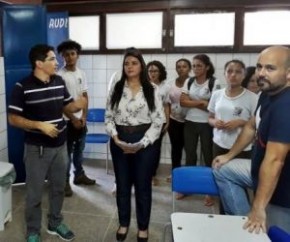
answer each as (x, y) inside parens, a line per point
(134, 118)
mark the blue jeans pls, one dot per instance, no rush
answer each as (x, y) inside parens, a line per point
(232, 179)
(133, 169)
(75, 147)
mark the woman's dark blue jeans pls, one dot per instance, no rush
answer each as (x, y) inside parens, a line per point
(133, 169)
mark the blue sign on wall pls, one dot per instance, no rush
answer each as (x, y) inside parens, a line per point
(57, 30)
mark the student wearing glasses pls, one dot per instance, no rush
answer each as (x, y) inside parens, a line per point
(195, 96)
(157, 75)
(37, 105)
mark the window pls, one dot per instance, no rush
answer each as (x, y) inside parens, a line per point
(86, 31)
(204, 29)
(141, 30)
(178, 26)
(267, 28)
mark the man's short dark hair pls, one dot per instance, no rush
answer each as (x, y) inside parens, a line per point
(69, 45)
(39, 52)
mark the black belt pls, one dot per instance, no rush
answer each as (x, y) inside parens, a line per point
(133, 129)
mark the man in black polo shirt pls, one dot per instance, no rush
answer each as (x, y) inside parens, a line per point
(270, 166)
(37, 105)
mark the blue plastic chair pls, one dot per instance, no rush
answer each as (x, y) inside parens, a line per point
(97, 115)
(278, 235)
(190, 180)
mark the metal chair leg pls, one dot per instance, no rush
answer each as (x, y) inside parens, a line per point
(165, 228)
(173, 202)
(107, 159)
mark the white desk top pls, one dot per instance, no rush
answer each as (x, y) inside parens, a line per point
(195, 227)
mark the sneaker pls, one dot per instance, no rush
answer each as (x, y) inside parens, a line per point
(67, 190)
(33, 238)
(62, 231)
(83, 179)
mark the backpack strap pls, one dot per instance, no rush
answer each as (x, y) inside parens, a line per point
(190, 81)
(211, 82)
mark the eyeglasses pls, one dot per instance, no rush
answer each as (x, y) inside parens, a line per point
(50, 59)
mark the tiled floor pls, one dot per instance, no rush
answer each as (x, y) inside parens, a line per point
(91, 212)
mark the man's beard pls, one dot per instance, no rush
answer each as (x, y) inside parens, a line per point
(270, 88)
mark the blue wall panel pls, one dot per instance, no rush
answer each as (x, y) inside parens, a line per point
(23, 27)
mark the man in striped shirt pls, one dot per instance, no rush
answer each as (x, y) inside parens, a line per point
(37, 105)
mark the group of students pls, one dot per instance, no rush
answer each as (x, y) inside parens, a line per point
(141, 106)
(195, 114)
(197, 108)
(189, 108)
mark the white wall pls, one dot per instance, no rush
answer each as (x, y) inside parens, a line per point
(3, 117)
(99, 69)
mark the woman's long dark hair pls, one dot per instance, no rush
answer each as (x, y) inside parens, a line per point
(148, 89)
